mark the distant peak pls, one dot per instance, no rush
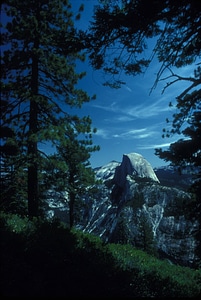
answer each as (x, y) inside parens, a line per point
(134, 164)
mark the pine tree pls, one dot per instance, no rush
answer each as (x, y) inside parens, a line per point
(10, 180)
(176, 29)
(71, 168)
(40, 50)
(147, 240)
(120, 33)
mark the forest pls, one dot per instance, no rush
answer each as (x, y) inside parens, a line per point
(40, 49)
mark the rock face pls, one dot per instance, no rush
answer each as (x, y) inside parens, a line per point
(134, 164)
(134, 208)
(131, 206)
(107, 172)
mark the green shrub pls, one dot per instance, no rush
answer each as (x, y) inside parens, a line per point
(44, 258)
(158, 278)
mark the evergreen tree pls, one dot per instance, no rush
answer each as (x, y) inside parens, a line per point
(147, 240)
(70, 167)
(119, 35)
(11, 176)
(40, 50)
(176, 29)
(186, 152)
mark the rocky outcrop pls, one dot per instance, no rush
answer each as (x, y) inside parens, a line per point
(131, 206)
(107, 172)
(137, 209)
(133, 164)
(149, 215)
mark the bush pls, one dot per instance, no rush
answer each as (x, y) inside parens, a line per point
(44, 258)
(157, 278)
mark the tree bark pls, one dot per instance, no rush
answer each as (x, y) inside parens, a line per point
(32, 141)
(71, 209)
(72, 196)
(33, 165)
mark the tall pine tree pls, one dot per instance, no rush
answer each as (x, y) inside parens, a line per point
(40, 50)
(70, 167)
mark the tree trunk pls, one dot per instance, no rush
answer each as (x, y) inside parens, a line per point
(32, 142)
(72, 195)
(33, 165)
(71, 209)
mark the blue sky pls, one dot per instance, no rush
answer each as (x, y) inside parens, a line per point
(128, 119)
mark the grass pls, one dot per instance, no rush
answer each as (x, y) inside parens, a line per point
(41, 258)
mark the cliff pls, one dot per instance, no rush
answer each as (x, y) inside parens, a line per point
(131, 206)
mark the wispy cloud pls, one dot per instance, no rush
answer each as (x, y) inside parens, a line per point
(127, 134)
(141, 111)
(146, 147)
(146, 111)
(135, 134)
(102, 133)
(111, 108)
(123, 119)
(128, 88)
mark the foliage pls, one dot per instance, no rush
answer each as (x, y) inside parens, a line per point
(137, 201)
(174, 28)
(44, 258)
(70, 168)
(172, 24)
(186, 152)
(155, 278)
(182, 206)
(127, 28)
(40, 49)
(148, 242)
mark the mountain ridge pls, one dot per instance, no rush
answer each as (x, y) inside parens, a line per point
(131, 205)
(168, 175)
